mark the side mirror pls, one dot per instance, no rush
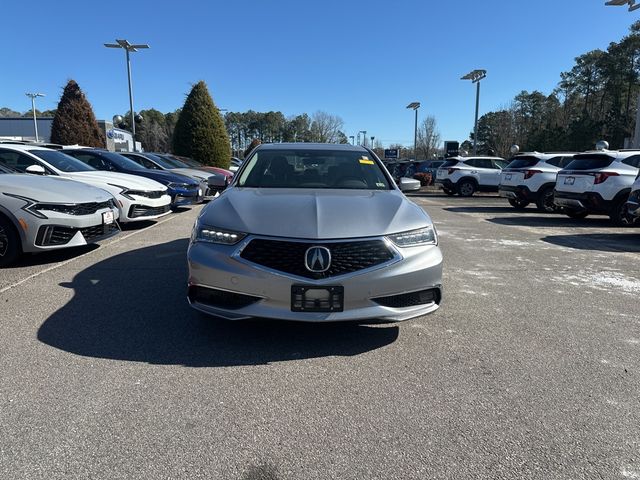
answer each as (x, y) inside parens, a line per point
(218, 182)
(36, 170)
(409, 184)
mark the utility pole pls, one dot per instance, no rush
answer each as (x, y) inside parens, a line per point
(33, 109)
(475, 76)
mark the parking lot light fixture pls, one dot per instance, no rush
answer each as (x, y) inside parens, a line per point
(475, 76)
(621, 3)
(128, 48)
(33, 97)
(415, 106)
(352, 137)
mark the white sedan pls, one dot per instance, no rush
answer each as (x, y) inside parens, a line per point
(48, 213)
(137, 198)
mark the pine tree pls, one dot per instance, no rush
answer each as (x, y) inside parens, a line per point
(254, 143)
(200, 131)
(74, 121)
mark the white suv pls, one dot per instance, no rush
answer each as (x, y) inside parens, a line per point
(598, 182)
(466, 175)
(531, 178)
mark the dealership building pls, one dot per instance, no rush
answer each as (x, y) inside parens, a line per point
(22, 128)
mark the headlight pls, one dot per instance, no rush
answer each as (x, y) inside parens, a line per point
(124, 191)
(204, 233)
(412, 238)
(30, 205)
(178, 185)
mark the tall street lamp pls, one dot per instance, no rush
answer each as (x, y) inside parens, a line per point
(372, 139)
(619, 3)
(415, 106)
(364, 137)
(33, 109)
(124, 44)
(352, 139)
(475, 76)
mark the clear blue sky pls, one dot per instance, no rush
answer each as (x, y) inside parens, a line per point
(362, 60)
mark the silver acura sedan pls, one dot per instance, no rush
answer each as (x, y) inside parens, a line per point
(316, 233)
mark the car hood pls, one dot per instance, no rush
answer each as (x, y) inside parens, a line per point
(132, 182)
(51, 189)
(314, 214)
(165, 177)
(194, 173)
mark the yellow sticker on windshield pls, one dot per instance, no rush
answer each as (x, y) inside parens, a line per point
(366, 161)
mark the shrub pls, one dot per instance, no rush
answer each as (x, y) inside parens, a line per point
(74, 121)
(200, 132)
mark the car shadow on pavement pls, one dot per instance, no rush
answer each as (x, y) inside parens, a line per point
(133, 307)
(51, 257)
(552, 220)
(604, 242)
(482, 209)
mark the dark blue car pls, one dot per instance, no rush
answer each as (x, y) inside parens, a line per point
(183, 190)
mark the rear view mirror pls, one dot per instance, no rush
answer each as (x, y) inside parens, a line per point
(218, 182)
(36, 170)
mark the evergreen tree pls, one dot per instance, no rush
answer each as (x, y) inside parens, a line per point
(74, 121)
(200, 131)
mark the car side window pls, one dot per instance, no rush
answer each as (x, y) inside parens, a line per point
(19, 161)
(555, 161)
(633, 161)
(484, 163)
(146, 163)
(92, 161)
(472, 163)
(500, 164)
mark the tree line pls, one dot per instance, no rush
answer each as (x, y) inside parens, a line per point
(595, 100)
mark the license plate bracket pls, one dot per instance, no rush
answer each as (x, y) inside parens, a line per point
(311, 298)
(108, 218)
(569, 180)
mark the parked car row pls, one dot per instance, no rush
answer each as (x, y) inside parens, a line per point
(60, 197)
(600, 182)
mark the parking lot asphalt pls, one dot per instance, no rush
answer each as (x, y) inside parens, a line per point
(529, 370)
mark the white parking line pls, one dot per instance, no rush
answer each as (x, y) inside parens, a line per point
(66, 262)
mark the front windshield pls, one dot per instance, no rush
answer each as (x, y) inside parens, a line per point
(172, 161)
(121, 161)
(288, 168)
(61, 161)
(163, 162)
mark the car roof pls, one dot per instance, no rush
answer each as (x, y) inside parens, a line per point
(312, 146)
(22, 147)
(462, 159)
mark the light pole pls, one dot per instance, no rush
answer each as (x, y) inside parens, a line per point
(33, 109)
(415, 106)
(352, 139)
(619, 3)
(124, 44)
(372, 139)
(475, 76)
(364, 137)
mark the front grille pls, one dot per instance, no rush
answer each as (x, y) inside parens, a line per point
(412, 299)
(289, 257)
(76, 209)
(137, 211)
(220, 298)
(49, 235)
(141, 193)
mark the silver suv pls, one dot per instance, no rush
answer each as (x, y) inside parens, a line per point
(467, 175)
(531, 178)
(598, 182)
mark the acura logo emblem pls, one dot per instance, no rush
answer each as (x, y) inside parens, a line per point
(317, 259)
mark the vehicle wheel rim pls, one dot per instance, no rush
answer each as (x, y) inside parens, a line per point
(4, 242)
(466, 189)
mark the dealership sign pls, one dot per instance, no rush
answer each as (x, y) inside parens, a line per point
(392, 153)
(111, 133)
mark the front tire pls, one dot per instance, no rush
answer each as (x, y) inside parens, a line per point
(466, 188)
(518, 204)
(10, 248)
(620, 214)
(545, 201)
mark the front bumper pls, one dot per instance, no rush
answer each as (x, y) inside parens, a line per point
(182, 197)
(143, 209)
(64, 231)
(217, 267)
